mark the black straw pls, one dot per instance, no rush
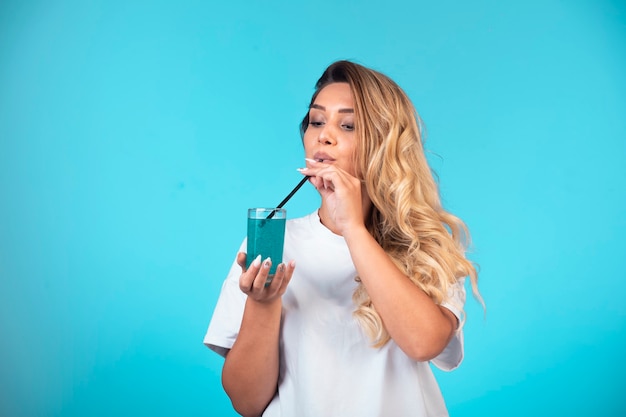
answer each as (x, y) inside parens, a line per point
(282, 203)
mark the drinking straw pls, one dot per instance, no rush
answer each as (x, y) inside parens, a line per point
(282, 203)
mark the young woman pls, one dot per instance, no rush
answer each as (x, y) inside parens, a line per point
(374, 287)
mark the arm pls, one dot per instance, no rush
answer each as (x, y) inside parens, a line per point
(421, 328)
(250, 373)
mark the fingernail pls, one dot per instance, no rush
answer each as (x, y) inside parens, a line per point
(257, 261)
(292, 263)
(311, 160)
(266, 263)
(301, 169)
(280, 268)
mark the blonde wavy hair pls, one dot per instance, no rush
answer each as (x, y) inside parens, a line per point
(424, 241)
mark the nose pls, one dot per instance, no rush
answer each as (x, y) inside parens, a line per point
(327, 136)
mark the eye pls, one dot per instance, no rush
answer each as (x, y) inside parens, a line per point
(348, 126)
(316, 123)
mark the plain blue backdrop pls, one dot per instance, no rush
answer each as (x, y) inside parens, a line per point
(134, 136)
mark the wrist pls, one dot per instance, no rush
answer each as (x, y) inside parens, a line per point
(264, 307)
(355, 232)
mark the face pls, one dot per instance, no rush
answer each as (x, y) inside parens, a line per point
(330, 134)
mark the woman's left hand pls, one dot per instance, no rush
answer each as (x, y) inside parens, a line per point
(341, 194)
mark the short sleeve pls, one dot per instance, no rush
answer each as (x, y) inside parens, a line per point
(452, 356)
(226, 320)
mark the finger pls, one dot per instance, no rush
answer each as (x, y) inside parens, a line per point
(247, 278)
(328, 178)
(315, 181)
(261, 277)
(281, 279)
(337, 180)
(314, 163)
(328, 183)
(286, 276)
(272, 284)
(313, 167)
(241, 260)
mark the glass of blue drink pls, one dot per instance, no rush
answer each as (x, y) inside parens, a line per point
(266, 235)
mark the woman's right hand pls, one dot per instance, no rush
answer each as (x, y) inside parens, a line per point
(253, 280)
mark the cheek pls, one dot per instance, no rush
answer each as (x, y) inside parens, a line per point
(347, 159)
(348, 148)
(308, 139)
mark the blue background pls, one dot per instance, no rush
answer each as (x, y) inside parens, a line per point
(134, 136)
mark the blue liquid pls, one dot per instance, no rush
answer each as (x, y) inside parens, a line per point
(266, 237)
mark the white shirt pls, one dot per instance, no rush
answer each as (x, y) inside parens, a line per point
(327, 364)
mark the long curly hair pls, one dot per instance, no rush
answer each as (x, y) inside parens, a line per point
(407, 219)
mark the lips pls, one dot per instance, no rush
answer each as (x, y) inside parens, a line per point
(323, 157)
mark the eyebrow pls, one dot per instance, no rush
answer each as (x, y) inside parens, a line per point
(318, 107)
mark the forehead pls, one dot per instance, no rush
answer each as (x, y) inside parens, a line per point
(339, 93)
